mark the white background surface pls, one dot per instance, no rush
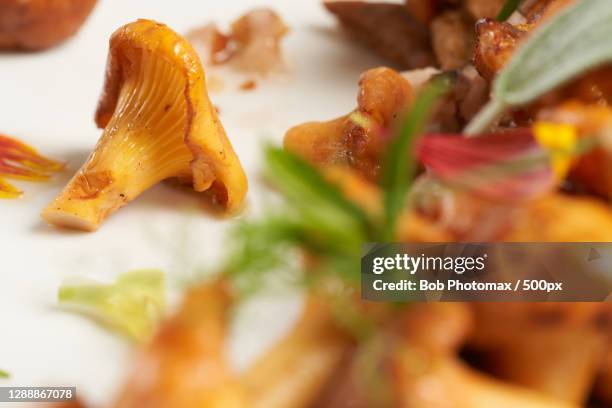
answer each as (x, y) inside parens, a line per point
(48, 100)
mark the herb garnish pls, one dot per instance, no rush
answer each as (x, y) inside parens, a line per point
(399, 163)
(4, 374)
(316, 218)
(133, 304)
(509, 8)
(319, 203)
(574, 41)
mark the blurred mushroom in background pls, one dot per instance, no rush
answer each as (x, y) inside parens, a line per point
(252, 45)
(34, 25)
(389, 29)
(420, 33)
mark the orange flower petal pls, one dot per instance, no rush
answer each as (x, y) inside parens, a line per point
(20, 161)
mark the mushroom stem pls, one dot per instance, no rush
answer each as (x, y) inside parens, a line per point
(141, 146)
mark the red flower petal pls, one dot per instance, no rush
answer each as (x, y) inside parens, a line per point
(508, 165)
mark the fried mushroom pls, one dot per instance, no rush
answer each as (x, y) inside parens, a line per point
(414, 363)
(452, 38)
(603, 386)
(383, 95)
(563, 344)
(387, 28)
(293, 372)
(185, 364)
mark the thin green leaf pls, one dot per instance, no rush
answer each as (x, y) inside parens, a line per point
(133, 304)
(487, 116)
(344, 265)
(319, 203)
(509, 8)
(258, 248)
(574, 41)
(399, 163)
(315, 217)
(4, 374)
(275, 243)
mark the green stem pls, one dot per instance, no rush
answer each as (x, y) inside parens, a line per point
(509, 8)
(485, 118)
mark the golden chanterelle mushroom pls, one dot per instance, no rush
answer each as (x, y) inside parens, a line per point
(158, 124)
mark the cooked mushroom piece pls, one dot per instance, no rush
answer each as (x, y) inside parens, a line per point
(562, 343)
(253, 45)
(38, 24)
(158, 124)
(603, 387)
(295, 370)
(404, 41)
(564, 361)
(354, 140)
(185, 364)
(452, 39)
(413, 362)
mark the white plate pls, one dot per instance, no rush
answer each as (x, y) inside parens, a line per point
(48, 100)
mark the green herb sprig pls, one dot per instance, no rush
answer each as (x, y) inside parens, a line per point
(4, 374)
(574, 41)
(399, 162)
(317, 219)
(319, 204)
(510, 6)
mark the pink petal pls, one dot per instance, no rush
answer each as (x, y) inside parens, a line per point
(501, 166)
